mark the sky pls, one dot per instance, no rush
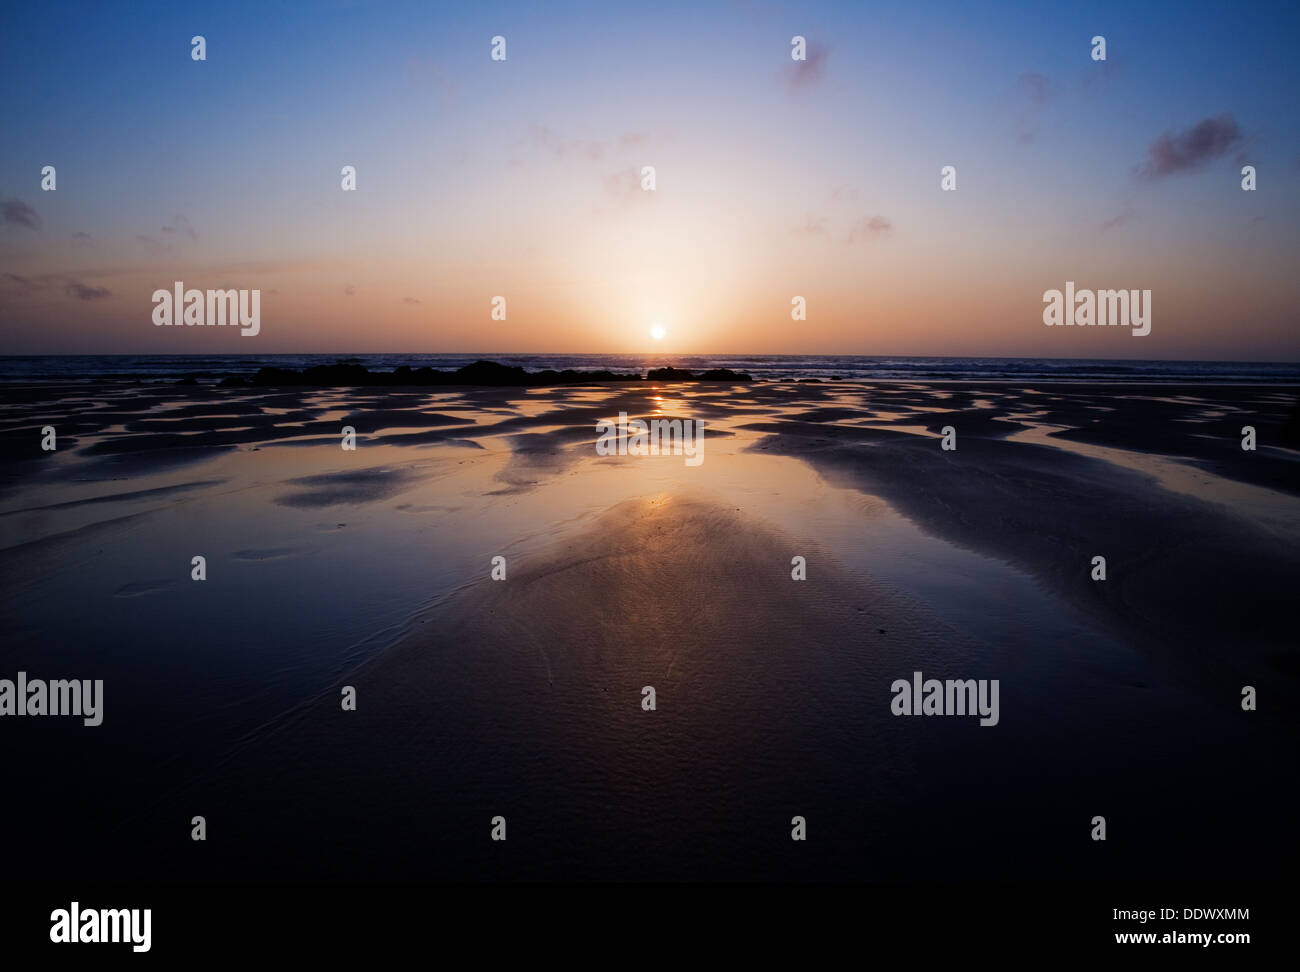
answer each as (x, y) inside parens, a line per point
(521, 178)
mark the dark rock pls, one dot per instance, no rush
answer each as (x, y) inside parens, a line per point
(491, 373)
(668, 374)
(724, 374)
(679, 374)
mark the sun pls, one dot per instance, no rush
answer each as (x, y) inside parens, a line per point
(658, 332)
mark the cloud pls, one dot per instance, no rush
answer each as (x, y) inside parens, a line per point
(409, 300)
(1128, 213)
(45, 281)
(73, 282)
(842, 193)
(82, 239)
(181, 225)
(869, 226)
(15, 212)
(1193, 149)
(1032, 91)
(77, 289)
(350, 290)
(807, 73)
(177, 227)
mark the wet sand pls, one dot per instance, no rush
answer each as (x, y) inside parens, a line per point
(523, 697)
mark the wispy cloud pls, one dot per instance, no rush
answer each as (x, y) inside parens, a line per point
(15, 212)
(48, 281)
(409, 300)
(869, 227)
(1119, 220)
(77, 289)
(1032, 92)
(179, 225)
(349, 290)
(808, 73)
(71, 286)
(1192, 149)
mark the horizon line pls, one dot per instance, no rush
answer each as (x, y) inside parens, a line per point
(486, 355)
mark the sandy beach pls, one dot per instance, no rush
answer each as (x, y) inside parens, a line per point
(522, 697)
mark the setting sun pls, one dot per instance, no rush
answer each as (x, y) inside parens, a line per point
(658, 332)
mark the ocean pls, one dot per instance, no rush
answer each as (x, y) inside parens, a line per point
(769, 367)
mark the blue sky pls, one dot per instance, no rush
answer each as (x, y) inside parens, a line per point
(479, 178)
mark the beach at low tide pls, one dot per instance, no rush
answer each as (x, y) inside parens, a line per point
(522, 697)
